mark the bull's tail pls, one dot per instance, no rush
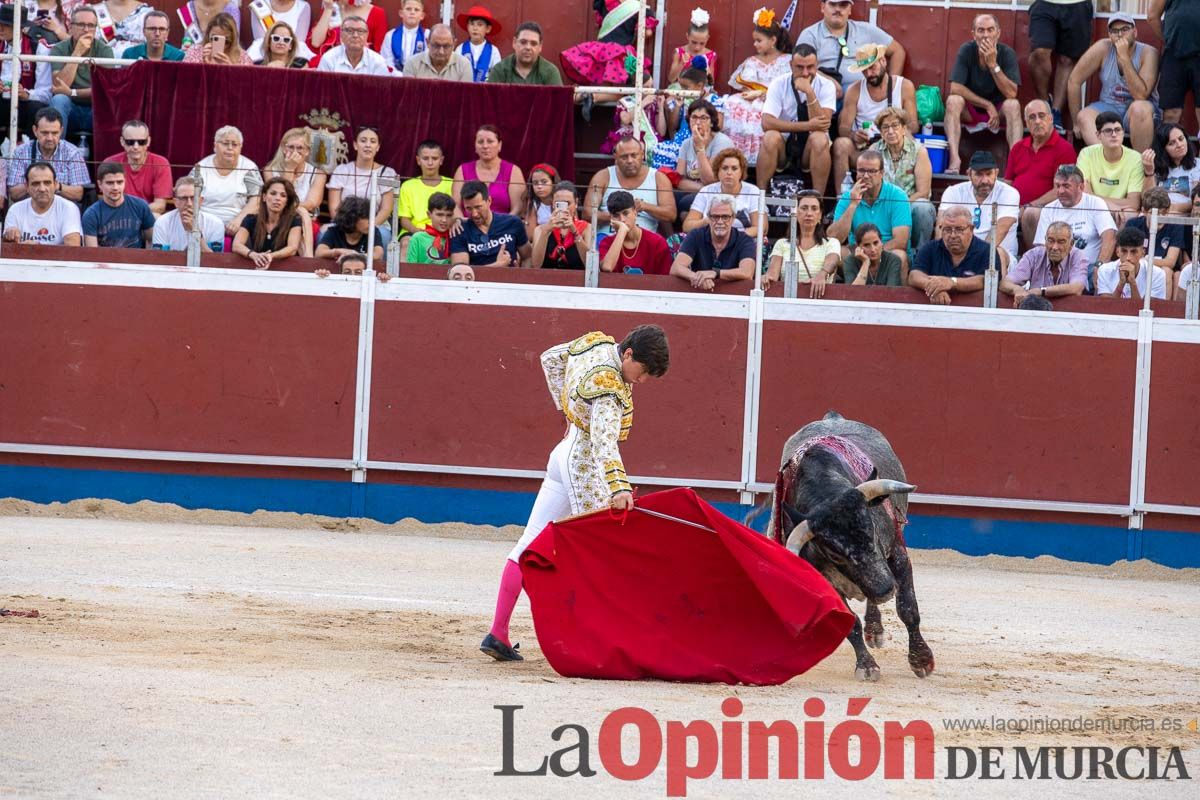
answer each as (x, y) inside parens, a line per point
(774, 505)
(755, 513)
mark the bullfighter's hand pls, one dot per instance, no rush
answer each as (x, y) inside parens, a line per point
(622, 501)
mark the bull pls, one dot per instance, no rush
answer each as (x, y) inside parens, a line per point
(841, 503)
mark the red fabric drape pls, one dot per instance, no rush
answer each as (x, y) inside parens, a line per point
(184, 105)
(657, 599)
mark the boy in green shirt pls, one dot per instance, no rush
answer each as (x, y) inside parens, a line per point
(432, 245)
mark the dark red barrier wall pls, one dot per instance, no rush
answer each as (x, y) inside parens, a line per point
(220, 372)
(462, 384)
(1174, 435)
(969, 412)
(985, 413)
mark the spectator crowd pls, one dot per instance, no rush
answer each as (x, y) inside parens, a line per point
(1065, 186)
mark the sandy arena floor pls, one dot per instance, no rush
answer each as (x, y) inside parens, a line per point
(279, 656)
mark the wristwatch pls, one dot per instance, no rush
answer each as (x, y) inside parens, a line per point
(716, 273)
(74, 93)
(954, 282)
(996, 68)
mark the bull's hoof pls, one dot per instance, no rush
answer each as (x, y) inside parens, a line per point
(921, 662)
(873, 635)
(870, 674)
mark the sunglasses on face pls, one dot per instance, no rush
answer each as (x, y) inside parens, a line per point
(281, 39)
(136, 142)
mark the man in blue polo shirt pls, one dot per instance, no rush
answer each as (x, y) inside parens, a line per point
(487, 239)
(872, 199)
(717, 252)
(953, 264)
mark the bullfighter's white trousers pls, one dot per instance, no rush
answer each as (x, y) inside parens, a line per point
(556, 498)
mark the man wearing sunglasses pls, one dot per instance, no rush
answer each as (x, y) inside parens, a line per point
(836, 38)
(155, 28)
(147, 175)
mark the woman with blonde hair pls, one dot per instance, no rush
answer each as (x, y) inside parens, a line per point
(291, 162)
(280, 47)
(220, 45)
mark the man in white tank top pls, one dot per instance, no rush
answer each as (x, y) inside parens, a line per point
(864, 101)
(651, 190)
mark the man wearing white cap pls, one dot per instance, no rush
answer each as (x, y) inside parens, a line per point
(1127, 71)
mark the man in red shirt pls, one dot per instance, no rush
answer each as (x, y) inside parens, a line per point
(1033, 162)
(631, 246)
(147, 175)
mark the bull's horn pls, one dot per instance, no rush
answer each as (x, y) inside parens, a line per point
(881, 486)
(799, 537)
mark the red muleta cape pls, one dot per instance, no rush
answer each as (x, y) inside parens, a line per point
(652, 598)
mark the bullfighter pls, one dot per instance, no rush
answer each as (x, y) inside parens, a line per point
(591, 381)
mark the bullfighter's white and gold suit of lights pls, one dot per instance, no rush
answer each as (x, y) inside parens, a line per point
(585, 469)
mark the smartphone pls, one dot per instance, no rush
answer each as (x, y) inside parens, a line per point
(561, 205)
(42, 13)
(217, 40)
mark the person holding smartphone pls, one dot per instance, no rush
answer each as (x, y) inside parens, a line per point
(563, 241)
(220, 45)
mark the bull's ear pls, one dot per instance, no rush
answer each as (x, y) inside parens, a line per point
(794, 516)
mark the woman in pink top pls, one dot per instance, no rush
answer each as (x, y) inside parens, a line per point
(504, 179)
